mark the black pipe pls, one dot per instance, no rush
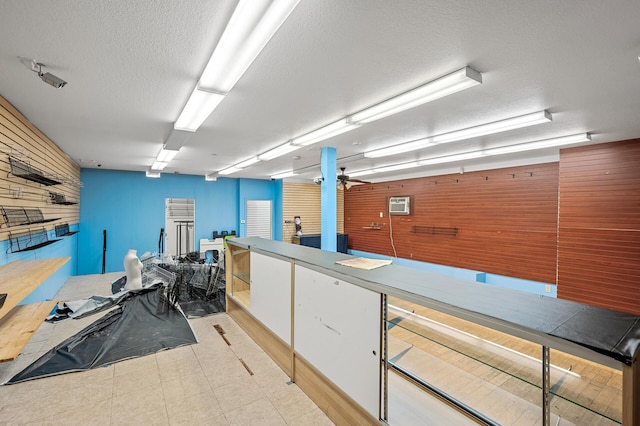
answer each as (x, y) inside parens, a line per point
(161, 242)
(104, 250)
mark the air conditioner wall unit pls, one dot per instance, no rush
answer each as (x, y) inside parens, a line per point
(400, 205)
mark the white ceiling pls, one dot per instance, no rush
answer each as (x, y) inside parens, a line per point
(131, 65)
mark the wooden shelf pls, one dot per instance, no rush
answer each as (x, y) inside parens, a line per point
(18, 325)
(19, 278)
(244, 297)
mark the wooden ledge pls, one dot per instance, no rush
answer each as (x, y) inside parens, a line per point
(21, 277)
(17, 327)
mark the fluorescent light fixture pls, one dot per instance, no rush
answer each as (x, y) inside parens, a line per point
(250, 28)
(159, 165)
(177, 139)
(362, 173)
(247, 163)
(152, 174)
(451, 83)
(166, 155)
(546, 143)
(278, 151)
(229, 170)
(399, 149)
(451, 158)
(211, 177)
(283, 175)
(395, 167)
(200, 105)
(326, 132)
(495, 127)
(384, 169)
(471, 132)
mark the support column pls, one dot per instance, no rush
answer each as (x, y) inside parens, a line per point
(328, 229)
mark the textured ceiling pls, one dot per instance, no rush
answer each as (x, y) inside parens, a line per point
(131, 65)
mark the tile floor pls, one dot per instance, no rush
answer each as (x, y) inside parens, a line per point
(201, 384)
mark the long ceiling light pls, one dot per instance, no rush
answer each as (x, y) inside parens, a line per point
(163, 158)
(326, 132)
(159, 165)
(167, 154)
(200, 105)
(250, 28)
(468, 133)
(283, 175)
(451, 83)
(495, 127)
(546, 143)
(451, 158)
(239, 166)
(283, 149)
(247, 163)
(509, 149)
(229, 170)
(385, 169)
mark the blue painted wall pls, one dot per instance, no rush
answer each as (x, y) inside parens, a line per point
(130, 207)
(534, 287)
(251, 189)
(64, 247)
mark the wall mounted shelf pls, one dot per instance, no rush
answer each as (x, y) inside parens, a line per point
(31, 239)
(26, 171)
(434, 230)
(20, 216)
(63, 231)
(58, 198)
(374, 226)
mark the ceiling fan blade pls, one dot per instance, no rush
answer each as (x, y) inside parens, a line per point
(358, 181)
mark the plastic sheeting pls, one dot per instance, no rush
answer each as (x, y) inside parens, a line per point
(143, 324)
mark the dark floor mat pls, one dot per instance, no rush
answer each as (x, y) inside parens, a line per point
(143, 324)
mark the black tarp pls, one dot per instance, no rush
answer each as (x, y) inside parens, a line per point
(143, 324)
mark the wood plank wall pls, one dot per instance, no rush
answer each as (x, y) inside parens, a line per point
(22, 140)
(599, 225)
(506, 220)
(303, 199)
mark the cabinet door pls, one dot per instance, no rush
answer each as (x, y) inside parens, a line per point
(271, 294)
(337, 330)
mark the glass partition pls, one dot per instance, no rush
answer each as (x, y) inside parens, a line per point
(497, 375)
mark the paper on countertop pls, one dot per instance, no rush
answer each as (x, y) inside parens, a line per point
(364, 263)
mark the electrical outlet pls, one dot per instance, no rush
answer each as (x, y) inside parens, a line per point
(381, 214)
(547, 289)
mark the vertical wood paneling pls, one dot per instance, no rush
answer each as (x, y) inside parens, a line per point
(20, 139)
(506, 220)
(303, 199)
(599, 225)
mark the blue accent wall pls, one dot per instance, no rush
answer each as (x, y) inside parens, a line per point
(534, 287)
(130, 207)
(252, 189)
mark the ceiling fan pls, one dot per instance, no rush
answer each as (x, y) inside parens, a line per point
(344, 180)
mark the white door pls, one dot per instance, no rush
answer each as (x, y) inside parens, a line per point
(179, 225)
(259, 218)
